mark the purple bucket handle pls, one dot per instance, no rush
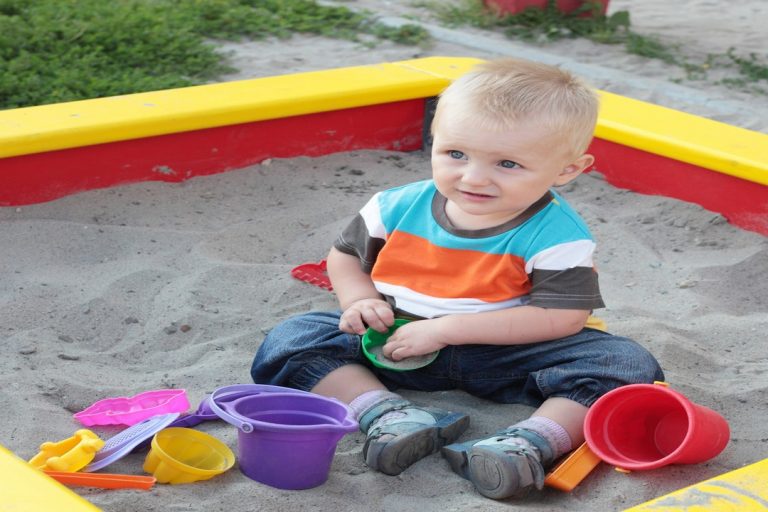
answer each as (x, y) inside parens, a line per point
(247, 425)
(236, 391)
(349, 424)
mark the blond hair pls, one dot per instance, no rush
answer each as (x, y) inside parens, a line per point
(501, 92)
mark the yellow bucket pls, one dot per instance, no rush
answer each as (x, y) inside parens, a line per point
(182, 455)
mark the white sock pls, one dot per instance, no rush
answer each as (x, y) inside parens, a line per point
(553, 432)
(368, 399)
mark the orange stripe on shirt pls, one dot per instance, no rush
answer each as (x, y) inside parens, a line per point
(411, 261)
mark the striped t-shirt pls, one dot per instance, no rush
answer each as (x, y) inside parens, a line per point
(427, 268)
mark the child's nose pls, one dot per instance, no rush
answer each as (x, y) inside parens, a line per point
(475, 174)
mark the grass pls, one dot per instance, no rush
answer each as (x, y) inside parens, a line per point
(550, 24)
(63, 50)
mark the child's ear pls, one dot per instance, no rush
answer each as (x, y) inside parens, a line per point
(573, 169)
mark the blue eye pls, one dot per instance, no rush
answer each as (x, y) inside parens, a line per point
(509, 164)
(457, 155)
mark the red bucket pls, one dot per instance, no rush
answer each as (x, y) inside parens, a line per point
(647, 426)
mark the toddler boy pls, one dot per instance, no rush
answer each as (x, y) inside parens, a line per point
(497, 272)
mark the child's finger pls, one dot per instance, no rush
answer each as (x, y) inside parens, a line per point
(374, 321)
(385, 314)
(352, 323)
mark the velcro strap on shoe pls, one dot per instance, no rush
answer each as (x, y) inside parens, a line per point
(537, 473)
(379, 409)
(539, 442)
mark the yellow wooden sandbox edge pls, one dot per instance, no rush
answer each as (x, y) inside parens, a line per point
(669, 133)
(132, 116)
(692, 139)
(26, 489)
(739, 490)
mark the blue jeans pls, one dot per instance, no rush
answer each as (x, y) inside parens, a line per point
(302, 350)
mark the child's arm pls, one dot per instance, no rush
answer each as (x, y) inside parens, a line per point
(361, 303)
(512, 326)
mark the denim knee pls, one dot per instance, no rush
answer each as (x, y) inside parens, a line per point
(301, 350)
(581, 367)
(610, 362)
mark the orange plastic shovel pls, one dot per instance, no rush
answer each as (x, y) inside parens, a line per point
(103, 480)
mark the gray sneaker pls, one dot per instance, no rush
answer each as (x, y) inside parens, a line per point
(507, 464)
(395, 441)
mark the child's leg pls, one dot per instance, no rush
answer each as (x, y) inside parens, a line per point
(398, 433)
(309, 352)
(348, 382)
(569, 415)
(581, 367)
(302, 350)
(515, 459)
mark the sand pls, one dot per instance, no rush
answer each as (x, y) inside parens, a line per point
(156, 285)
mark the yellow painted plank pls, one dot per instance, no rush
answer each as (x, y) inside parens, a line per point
(737, 491)
(81, 123)
(26, 489)
(685, 137)
(717, 146)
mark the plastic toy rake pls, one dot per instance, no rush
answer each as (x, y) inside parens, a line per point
(313, 273)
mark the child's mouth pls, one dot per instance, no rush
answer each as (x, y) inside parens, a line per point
(474, 196)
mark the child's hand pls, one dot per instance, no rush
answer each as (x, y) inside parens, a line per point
(364, 313)
(414, 339)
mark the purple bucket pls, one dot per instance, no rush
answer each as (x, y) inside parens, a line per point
(287, 439)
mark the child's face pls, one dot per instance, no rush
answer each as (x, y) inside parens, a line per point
(490, 177)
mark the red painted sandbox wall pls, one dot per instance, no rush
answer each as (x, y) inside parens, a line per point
(396, 126)
(41, 177)
(743, 203)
